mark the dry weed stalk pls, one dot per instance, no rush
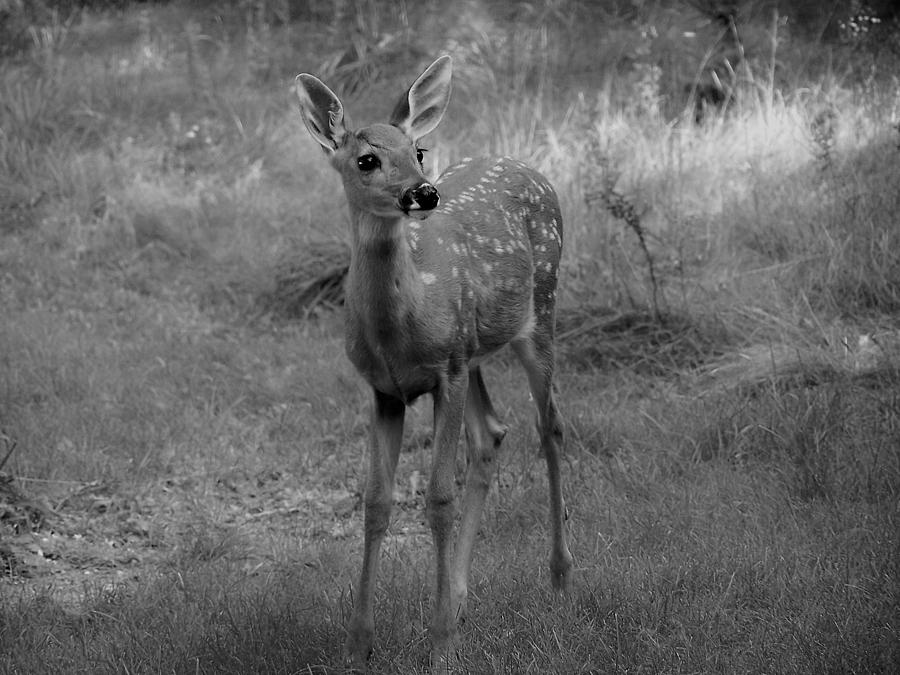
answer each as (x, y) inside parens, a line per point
(10, 445)
(620, 207)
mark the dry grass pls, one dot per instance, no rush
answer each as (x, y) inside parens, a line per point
(638, 340)
(308, 279)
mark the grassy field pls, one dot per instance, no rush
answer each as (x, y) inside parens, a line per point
(182, 440)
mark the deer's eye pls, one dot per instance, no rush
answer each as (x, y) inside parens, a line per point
(368, 163)
(420, 154)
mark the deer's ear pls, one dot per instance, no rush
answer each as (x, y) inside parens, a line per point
(322, 112)
(420, 110)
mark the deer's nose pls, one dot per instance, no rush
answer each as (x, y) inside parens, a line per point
(423, 197)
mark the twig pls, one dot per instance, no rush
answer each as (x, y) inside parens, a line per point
(286, 511)
(590, 326)
(11, 445)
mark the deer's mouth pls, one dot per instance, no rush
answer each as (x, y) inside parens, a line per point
(418, 214)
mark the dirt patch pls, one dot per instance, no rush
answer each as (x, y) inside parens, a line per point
(70, 545)
(75, 541)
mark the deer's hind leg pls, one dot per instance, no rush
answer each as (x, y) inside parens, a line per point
(536, 354)
(484, 434)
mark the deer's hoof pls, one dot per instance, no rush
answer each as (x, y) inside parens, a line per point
(444, 661)
(358, 649)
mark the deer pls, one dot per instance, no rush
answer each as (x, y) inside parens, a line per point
(441, 276)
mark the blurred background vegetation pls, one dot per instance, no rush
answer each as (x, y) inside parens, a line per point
(669, 128)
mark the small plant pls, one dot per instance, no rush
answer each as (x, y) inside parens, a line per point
(621, 208)
(823, 127)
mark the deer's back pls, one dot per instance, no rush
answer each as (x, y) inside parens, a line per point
(509, 230)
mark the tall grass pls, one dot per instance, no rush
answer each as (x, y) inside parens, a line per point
(728, 361)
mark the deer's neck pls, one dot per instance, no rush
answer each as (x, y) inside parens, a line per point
(383, 279)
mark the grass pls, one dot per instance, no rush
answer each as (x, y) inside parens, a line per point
(183, 491)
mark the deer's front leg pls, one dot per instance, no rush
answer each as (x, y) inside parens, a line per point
(449, 402)
(384, 449)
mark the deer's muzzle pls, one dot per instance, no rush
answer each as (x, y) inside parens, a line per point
(422, 198)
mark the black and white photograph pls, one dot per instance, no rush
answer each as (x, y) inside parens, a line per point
(449, 337)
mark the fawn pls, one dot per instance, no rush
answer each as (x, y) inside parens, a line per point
(426, 301)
